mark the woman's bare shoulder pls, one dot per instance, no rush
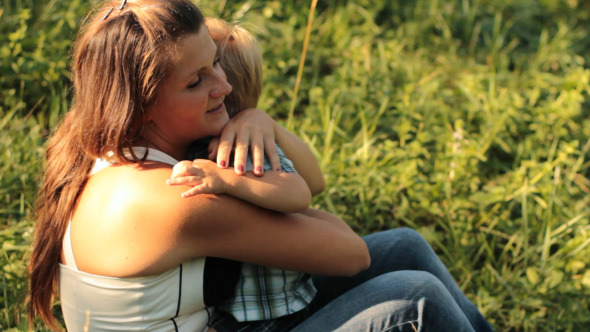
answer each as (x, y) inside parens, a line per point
(126, 190)
(131, 210)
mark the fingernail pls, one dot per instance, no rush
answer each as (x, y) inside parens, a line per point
(222, 163)
(240, 168)
(258, 169)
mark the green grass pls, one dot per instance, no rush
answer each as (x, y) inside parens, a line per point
(466, 120)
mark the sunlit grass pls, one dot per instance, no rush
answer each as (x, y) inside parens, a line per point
(466, 120)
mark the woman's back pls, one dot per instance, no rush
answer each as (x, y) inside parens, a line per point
(119, 227)
(109, 229)
(171, 301)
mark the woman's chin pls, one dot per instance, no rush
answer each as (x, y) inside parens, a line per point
(217, 125)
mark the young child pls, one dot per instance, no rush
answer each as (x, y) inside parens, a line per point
(262, 293)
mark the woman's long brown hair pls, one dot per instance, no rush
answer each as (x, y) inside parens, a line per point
(118, 60)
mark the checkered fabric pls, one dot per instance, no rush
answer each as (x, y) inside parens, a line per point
(264, 293)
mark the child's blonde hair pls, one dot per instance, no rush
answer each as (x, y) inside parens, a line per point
(241, 60)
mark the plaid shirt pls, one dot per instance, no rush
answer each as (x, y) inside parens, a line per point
(265, 293)
(286, 164)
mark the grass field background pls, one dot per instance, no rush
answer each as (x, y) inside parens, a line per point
(467, 120)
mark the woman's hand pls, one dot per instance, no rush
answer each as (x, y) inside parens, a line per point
(201, 174)
(213, 147)
(250, 129)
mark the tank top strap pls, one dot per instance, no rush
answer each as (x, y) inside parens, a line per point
(152, 155)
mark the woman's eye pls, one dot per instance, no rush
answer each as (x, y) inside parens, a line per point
(198, 81)
(195, 84)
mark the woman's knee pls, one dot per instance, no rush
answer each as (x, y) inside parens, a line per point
(397, 234)
(431, 286)
(412, 236)
(397, 239)
(419, 286)
(415, 284)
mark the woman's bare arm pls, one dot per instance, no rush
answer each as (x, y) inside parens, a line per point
(129, 222)
(294, 241)
(224, 226)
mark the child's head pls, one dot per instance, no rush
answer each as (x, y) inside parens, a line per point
(242, 62)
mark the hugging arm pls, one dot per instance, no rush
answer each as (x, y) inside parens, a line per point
(249, 129)
(278, 191)
(227, 227)
(302, 157)
(223, 226)
(253, 128)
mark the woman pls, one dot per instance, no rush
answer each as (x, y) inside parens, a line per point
(127, 252)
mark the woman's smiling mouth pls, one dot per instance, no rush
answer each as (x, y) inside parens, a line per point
(220, 108)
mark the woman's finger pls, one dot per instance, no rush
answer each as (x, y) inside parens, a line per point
(257, 147)
(241, 152)
(226, 143)
(272, 154)
(213, 148)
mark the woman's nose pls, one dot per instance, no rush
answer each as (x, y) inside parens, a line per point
(222, 88)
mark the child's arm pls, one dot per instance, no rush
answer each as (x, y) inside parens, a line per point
(302, 157)
(295, 149)
(278, 191)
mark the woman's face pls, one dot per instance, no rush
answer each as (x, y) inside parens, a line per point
(189, 103)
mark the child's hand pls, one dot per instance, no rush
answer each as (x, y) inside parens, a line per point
(201, 174)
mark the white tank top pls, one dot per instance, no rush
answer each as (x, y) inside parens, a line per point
(171, 301)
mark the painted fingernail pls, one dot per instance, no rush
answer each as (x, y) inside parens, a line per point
(240, 168)
(222, 163)
(258, 169)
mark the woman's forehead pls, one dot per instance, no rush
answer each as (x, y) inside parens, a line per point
(195, 52)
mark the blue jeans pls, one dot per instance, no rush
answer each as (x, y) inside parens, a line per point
(407, 288)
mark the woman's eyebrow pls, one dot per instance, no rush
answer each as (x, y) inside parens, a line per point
(193, 73)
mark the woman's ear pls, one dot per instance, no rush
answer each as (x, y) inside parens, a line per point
(147, 115)
(147, 109)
